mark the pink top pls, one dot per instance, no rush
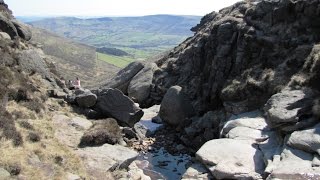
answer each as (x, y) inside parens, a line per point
(77, 84)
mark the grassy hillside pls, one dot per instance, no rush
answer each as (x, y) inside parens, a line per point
(120, 62)
(141, 37)
(74, 59)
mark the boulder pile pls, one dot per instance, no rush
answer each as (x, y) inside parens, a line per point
(243, 92)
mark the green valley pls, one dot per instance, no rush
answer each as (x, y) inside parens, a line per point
(140, 37)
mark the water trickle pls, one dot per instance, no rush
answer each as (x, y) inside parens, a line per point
(163, 165)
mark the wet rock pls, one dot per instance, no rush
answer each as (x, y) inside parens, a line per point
(232, 159)
(102, 131)
(140, 85)
(86, 99)
(285, 108)
(122, 80)
(307, 140)
(112, 102)
(175, 107)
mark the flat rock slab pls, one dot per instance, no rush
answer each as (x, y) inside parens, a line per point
(295, 164)
(68, 130)
(102, 158)
(253, 120)
(284, 107)
(246, 133)
(306, 140)
(232, 159)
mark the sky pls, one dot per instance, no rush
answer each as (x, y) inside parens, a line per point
(115, 7)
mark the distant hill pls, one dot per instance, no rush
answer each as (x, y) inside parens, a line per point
(74, 59)
(139, 36)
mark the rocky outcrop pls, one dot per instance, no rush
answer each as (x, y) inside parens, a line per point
(11, 26)
(242, 55)
(175, 107)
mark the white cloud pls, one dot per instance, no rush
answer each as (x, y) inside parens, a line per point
(116, 7)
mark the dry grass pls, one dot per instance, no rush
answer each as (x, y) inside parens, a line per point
(28, 147)
(54, 159)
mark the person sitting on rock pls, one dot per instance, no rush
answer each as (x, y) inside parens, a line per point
(77, 83)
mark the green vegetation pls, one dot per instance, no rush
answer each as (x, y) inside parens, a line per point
(115, 60)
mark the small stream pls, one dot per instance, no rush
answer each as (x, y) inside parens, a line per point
(159, 164)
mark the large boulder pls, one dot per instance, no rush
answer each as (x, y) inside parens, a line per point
(102, 131)
(232, 159)
(112, 102)
(140, 85)
(288, 107)
(23, 31)
(307, 140)
(122, 80)
(175, 107)
(86, 99)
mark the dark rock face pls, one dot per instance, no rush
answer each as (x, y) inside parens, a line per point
(103, 131)
(242, 55)
(175, 107)
(7, 26)
(122, 79)
(203, 129)
(112, 102)
(23, 31)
